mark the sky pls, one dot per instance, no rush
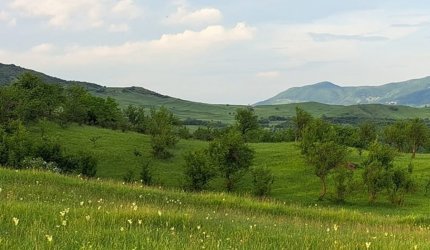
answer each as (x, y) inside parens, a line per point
(223, 51)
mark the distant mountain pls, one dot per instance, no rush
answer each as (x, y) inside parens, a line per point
(411, 93)
(225, 113)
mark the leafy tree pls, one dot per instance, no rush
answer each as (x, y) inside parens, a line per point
(263, 179)
(325, 157)
(87, 164)
(397, 135)
(418, 134)
(198, 170)
(161, 129)
(377, 169)
(342, 180)
(402, 183)
(246, 121)
(231, 156)
(136, 117)
(316, 131)
(366, 135)
(301, 121)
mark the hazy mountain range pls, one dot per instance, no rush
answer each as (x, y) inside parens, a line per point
(411, 93)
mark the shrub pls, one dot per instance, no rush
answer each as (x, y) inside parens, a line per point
(198, 171)
(146, 174)
(262, 180)
(129, 176)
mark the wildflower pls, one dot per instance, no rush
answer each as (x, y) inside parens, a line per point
(335, 227)
(122, 229)
(130, 221)
(368, 245)
(48, 237)
(386, 234)
(15, 221)
(198, 227)
(1, 190)
(139, 222)
(159, 213)
(64, 223)
(81, 203)
(87, 217)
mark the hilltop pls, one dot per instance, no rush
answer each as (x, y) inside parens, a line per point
(414, 92)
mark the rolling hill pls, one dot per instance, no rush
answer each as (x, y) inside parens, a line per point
(412, 93)
(225, 113)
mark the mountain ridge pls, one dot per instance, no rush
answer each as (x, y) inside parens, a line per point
(414, 92)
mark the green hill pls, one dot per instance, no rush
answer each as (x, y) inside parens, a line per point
(400, 93)
(225, 112)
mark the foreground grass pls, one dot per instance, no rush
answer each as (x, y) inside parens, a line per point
(110, 215)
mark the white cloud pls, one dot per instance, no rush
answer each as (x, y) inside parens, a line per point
(342, 37)
(7, 18)
(127, 9)
(119, 27)
(268, 74)
(77, 14)
(200, 17)
(168, 48)
(42, 48)
(62, 13)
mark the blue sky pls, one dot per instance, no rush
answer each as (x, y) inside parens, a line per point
(223, 51)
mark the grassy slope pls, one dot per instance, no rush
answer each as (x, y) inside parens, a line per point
(225, 113)
(106, 215)
(295, 181)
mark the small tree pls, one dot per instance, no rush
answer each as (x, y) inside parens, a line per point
(342, 179)
(301, 121)
(366, 135)
(262, 180)
(161, 129)
(377, 169)
(198, 170)
(418, 134)
(246, 122)
(231, 156)
(129, 176)
(402, 183)
(325, 157)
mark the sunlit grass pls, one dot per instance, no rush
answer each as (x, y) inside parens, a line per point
(61, 212)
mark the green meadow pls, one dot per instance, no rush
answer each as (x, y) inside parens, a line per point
(41, 210)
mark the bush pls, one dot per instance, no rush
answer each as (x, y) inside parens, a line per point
(146, 174)
(129, 176)
(263, 180)
(198, 171)
(87, 165)
(342, 179)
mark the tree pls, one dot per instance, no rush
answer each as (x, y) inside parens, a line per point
(377, 169)
(198, 170)
(301, 121)
(161, 129)
(397, 135)
(366, 135)
(342, 180)
(316, 131)
(136, 117)
(326, 156)
(402, 183)
(231, 156)
(246, 121)
(418, 134)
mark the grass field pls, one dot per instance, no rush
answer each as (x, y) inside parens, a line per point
(295, 181)
(48, 211)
